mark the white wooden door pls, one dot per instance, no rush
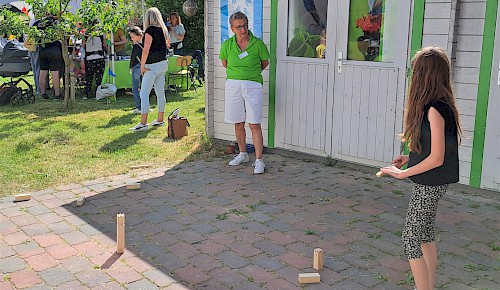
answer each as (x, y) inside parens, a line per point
(490, 177)
(301, 84)
(367, 107)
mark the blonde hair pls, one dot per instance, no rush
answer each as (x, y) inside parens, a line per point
(153, 18)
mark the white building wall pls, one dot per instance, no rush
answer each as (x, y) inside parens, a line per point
(466, 61)
(209, 67)
(216, 75)
(457, 26)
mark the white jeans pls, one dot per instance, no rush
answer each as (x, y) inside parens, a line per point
(154, 77)
(243, 102)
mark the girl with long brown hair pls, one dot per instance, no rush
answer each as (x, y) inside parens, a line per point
(432, 130)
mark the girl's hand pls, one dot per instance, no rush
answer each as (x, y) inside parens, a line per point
(394, 171)
(143, 70)
(400, 161)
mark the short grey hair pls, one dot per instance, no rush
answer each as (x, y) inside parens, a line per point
(237, 15)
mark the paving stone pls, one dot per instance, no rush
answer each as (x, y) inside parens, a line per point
(270, 247)
(361, 276)
(159, 278)
(76, 264)
(73, 285)
(28, 249)
(35, 229)
(39, 287)
(266, 262)
(191, 275)
(24, 278)
(6, 251)
(11, 264)
(141, 285)
(123, 274)
(92, 277)
(74, 237)
(56, 276)
(232, 259)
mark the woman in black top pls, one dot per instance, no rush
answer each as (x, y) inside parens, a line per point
(432, 130)
(153, 67)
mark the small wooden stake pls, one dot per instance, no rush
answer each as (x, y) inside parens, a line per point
(136, 185)
(80, 201)
(22, 197)
(120, 233)
(318, 259)
(379, 174)
(307, 278)
(140, 166)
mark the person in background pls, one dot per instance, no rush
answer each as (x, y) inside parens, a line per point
(432, 130)
(245, 57)
(34, 53)
(51, 59)
(119, 40)
(94, 62)
(321, 48)
(176, 32)
(135, 66)
(153, 67)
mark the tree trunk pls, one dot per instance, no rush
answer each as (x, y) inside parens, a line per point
(69, 82)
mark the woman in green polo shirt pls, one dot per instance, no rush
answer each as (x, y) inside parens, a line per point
(245, 57)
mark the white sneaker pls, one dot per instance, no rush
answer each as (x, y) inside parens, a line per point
(135, 111)
(240, 158)
(259, 166)
(139, 127)
(155, 123)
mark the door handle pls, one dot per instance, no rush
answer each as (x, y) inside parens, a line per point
(340, 58)
(498, 76)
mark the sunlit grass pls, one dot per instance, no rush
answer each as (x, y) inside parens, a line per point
(42, 145)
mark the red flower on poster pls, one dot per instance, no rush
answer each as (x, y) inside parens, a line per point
(370, 23)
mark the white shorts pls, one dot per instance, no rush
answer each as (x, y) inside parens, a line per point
(243, 102)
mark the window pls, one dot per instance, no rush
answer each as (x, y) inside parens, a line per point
(369, 22)
(307, 28)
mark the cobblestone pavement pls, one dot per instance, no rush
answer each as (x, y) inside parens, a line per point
(206, 225)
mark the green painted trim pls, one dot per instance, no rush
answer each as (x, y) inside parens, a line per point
(272, 75)
(417, 27)
(417, 31)
(483, 92)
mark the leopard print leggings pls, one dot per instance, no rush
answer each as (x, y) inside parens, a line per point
(420, 218)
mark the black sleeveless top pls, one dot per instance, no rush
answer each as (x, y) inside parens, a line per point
(448, 172)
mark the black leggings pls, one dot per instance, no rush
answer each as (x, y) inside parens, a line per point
(93, 68)
(420, 218)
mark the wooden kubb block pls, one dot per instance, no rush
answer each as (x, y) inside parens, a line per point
(318, 259)
(120, 233)
(308, 278)
(134, 186)
(22, 197)
(80, 201)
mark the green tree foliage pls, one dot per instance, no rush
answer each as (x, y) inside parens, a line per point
(98, 17)
(11, 23)
(194, 25)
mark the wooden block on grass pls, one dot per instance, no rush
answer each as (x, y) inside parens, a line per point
(136, 185)
(120, 233)
(22, 197)
(80, 201)
(379, 174)
(140, 166)
(308, 278)
(318, 259)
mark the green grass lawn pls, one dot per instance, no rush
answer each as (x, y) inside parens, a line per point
(42, 145)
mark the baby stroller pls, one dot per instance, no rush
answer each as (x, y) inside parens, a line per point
(15, 62)
(199, 65)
